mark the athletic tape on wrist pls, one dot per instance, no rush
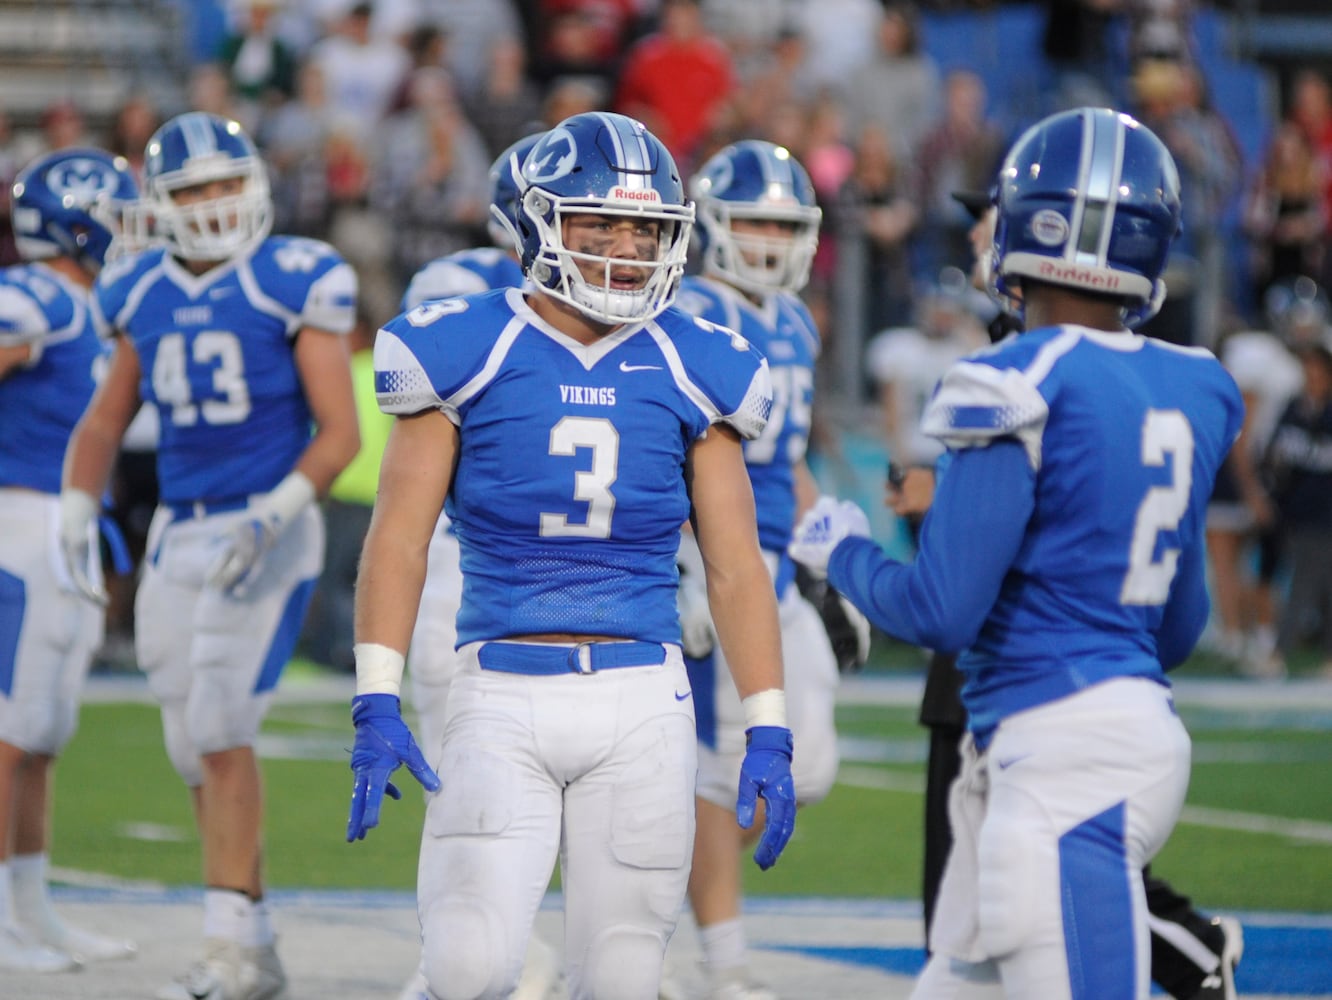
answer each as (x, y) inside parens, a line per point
(78, 509)
(289, 497)
(765, 708)
(378, 669)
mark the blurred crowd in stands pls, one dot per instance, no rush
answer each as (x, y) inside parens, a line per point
(379, 121)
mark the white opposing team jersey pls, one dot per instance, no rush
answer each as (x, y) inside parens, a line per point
(41, 402)
(1267, 373)
(466, 272)
(216, 357)
(569, 491)
(783, 331)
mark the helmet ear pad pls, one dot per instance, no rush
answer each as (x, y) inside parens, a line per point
(609, 165)
(1088, 199)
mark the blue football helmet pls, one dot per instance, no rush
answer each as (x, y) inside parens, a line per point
(599, 163)
(759, 181)
(505, 177)
(1088, 199)
(70, 203)
(192, 149)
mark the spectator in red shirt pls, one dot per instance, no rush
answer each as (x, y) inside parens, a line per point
(677, 80)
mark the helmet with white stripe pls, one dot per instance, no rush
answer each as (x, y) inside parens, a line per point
(756, 181)
(1088, 199)
(69, 204)
(609, 165)
(194, 149)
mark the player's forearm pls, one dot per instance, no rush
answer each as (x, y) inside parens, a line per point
(90, 456)
(329, 452)
(388, 586)
(744, 611)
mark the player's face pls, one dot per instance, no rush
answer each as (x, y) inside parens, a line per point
(981, 238)
(763, 242)
(625, 239)
(195, 194)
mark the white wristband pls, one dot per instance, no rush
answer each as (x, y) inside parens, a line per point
(378, 669)
(765, 708)
(78, 509)
(289, 497)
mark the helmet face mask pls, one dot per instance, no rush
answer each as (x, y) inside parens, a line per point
(758, 183)
(70, 203)
(1088, 199)
(189, 155)
(610, 167)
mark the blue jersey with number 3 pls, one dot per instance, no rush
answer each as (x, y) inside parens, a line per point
(783, 331)
(1065, 544)
(215, 354)
(569, 491)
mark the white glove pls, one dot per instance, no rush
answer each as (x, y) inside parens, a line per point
(822, 528)
(237, 566)
(697, 635)
(78, 543)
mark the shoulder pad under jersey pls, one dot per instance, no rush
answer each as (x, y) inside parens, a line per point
(309, 280)
(120, 284)
(731, 377)
(423, 356)
(991, 395)
(467, 272)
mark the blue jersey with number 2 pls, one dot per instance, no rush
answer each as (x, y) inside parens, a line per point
(569, 491)
(1065, 545)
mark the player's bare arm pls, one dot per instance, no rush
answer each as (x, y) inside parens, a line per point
(740, 594)
(96, 440)
(413, 480)
(324, 366)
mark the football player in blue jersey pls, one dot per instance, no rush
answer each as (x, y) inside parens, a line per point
(433, 657)
(571, 429)
(66, 208)
(757, 231)
(236, 337)
(1063, 555)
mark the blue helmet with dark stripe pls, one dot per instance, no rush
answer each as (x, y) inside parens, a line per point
(1088, 199)
(605, 164)
(194, 149)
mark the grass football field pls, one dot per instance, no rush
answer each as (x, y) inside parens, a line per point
(1256, 834)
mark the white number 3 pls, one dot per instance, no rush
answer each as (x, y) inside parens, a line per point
(1164, 433)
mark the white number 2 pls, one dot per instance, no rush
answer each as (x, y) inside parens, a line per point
(1164, 433)
(591, 487)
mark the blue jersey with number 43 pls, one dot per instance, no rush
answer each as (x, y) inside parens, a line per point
(569, 491)
(215, 354)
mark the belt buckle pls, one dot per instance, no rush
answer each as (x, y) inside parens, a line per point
(580, 659)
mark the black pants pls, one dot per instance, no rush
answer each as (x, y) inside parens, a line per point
(946, 721)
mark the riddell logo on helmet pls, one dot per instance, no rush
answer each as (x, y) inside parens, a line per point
(1073, 274)
(627, 194)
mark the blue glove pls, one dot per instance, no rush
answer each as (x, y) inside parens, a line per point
(383, 742)
(766, 771)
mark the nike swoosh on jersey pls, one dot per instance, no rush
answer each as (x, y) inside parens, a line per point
(1004, 765)
(683, 697)
(627, 367)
